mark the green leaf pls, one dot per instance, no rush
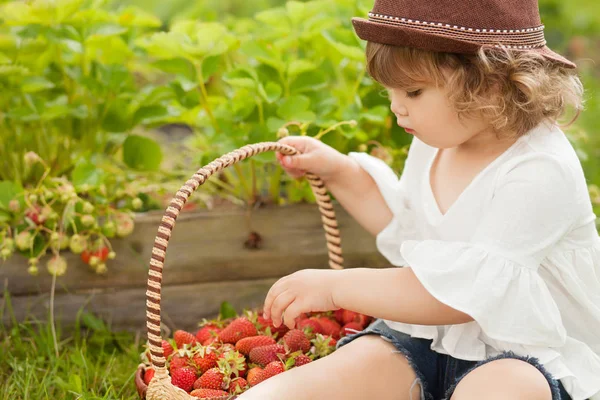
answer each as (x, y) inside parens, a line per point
(177, 66)
(376, 114)
(297, 67)
(227, 311)
(33, 84)
(210, 66)
(86, 173)
(142, 153)
(309, 81)
(293, 106)
(271, 93)
(354, 53)
(9, 191)
(136, 16)
(92, 322)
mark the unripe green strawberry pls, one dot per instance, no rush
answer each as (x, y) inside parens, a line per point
(14, 206)
(125, 225)
(9, 244)
(5, 253)
(59, 241)
(101, 269)
(88, 220)
(57, 266)
(33, 270)
(112, 255)
(137, 203)
(24, 240)
(77, 244)
(88, 208)
(109, 229)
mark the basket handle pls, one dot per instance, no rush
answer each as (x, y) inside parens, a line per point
(161, 241)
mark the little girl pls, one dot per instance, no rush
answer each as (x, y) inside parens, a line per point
(491, 220)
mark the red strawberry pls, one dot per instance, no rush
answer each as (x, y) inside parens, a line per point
(208, 393)
(167, 348)
(206, 332)
(212, 379)
(204, 358)
(312, 324)
(296, 340)
(330, 327)
(179, 360)
(238, 385)
(339, 316)
(323, 345)
(183, 337)
(246, 344)
(234, 362)
(264, 323)
(236, 330)
(350, 328)
(183, 378)
(351, 316)
(301, 360)
(148, 375)
(273, 368)
(210, 340)
(255, 376)
(265, 354)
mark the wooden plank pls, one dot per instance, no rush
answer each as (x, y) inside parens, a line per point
(208, 246)
(182, 306)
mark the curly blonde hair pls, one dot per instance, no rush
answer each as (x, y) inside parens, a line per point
(513, 90)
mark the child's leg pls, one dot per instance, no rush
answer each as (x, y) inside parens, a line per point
(365, 368)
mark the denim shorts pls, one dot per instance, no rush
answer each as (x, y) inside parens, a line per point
(439, 374)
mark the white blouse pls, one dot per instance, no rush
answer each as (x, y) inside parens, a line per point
(518, 251)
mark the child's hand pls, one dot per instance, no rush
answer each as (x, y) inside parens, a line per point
(303, 291)
(317, 158)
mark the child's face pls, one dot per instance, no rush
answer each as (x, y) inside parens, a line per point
(428, 113)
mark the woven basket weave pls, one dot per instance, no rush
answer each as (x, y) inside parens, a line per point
(160, 387)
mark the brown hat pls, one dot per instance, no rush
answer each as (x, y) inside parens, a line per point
(458, 26)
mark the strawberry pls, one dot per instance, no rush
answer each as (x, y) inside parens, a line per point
(311, 325)
(183, 378)
(272, 369)
(295, 339)
(212, 379)
(330, 327)
(57, 265)
(339, 316)
(236, 330)
(208, 393)
(203, 358)
(183, 337)
(180, 359)
(101, 254)
(255, 376)
(301, 360)
(210, 340)
(234, 362)
(246, 344)
(167, 348)
(206, 332)
(125, 224)
(323, 345)
(351, 316)
(237, 386)
(350, 328)
(148, 375)
(264, 325)
(265, 354)
(35, 215)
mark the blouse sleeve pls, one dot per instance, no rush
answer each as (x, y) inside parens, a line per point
(494, 277)
(395, 193)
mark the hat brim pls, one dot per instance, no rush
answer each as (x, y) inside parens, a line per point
(404, 36)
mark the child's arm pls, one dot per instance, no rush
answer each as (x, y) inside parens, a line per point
(358, 193)
(394, 294)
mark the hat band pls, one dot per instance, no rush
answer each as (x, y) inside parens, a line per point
(526, 38)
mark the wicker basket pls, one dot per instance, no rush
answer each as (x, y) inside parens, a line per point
(160, 387)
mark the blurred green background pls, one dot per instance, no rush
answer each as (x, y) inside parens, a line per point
(571, 27)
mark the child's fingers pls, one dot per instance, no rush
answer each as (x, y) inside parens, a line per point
(291, 313)
(279, 305)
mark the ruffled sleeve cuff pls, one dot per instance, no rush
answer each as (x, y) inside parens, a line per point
(402, 226)
(509, 300)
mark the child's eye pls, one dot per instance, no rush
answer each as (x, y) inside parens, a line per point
(414, 93)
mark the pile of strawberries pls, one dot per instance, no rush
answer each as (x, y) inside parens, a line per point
(227, 357)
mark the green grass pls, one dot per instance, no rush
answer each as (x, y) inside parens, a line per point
(89, 361)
